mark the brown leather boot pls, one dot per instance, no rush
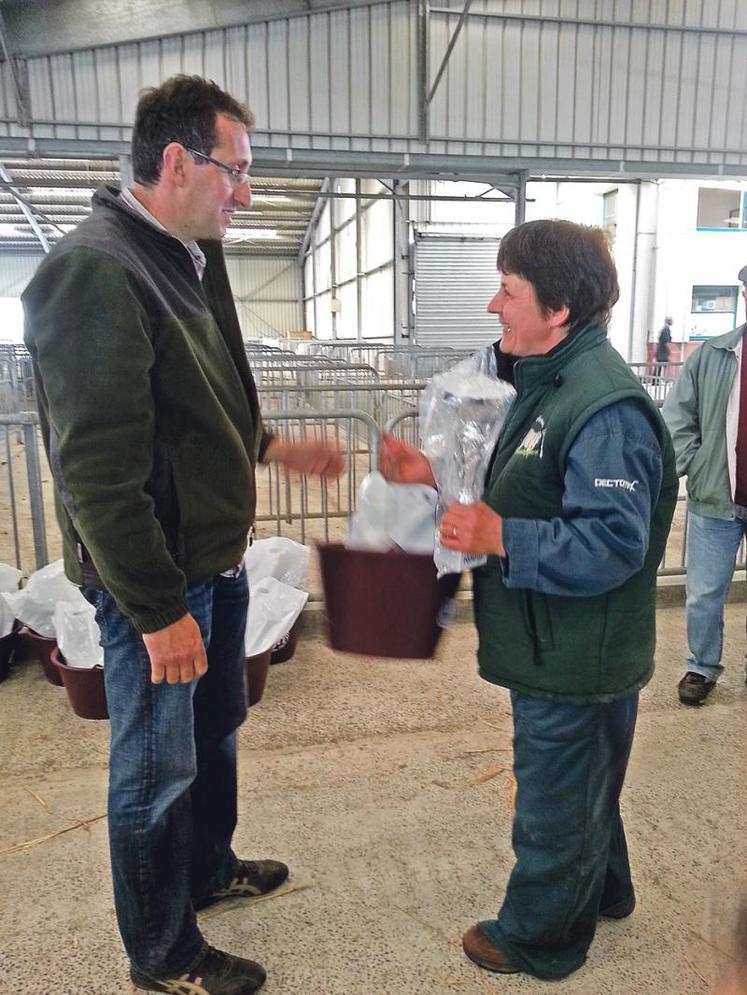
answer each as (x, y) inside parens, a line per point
(484, 953)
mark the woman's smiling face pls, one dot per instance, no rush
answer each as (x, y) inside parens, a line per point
(528, 330)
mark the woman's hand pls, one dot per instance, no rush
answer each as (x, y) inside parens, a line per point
(404, 464)
(472, 528)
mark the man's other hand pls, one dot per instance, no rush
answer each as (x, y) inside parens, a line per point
(177, 653)
(317, 459)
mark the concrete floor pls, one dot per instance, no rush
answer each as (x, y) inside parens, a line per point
(386, 785)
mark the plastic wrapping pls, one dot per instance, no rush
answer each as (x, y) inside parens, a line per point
(9, 579)
(273, 608)
(277, 557)
(78, 635)
(462, 413)
(35, 604)
(393, 515)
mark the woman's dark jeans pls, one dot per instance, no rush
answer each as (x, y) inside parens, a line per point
(568, 837)
(172, 775)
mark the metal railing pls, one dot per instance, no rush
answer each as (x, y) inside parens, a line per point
(301, 396)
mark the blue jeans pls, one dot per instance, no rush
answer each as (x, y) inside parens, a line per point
(568, 837)
(712, 547)
(172, 776)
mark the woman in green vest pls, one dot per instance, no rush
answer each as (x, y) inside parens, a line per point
(578, 503)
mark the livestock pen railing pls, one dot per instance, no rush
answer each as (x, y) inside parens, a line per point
(302, 508)
(338, 362)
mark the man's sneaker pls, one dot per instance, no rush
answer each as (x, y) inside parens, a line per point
(216, 974)
(254, 877)
(693, 689)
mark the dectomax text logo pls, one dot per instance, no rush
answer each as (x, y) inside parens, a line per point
(624, 485)
(533, 442)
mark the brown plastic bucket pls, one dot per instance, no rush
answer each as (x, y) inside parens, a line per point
(257, 668)
(286, 647)
(382, 604)
(85, 688)
(41, 648)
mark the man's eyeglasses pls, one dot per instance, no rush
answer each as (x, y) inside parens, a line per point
(238, 175)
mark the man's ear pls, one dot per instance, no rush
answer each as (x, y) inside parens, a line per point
(175, 162)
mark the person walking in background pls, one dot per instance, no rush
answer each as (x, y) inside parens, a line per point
(152, 426)
(663, 350)
(706, 412)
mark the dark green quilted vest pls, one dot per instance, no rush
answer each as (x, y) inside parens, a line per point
(572, 649)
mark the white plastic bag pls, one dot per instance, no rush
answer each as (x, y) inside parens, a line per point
(462, 413)
(7, 616)
(78, 635)
(10, 577)
(35, 604)
(388, 515)
(273, 608)
(278, 557)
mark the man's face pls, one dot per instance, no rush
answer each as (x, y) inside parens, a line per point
(527, 329)
(212, 194)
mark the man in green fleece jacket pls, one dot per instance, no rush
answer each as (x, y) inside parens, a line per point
(153, 431)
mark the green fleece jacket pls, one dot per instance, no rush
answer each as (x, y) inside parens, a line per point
(148, 410)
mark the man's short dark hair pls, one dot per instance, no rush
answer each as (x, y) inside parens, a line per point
(742, 277)
(568, 265)
(183, 109)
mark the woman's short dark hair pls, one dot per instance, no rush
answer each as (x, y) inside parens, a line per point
(183, 109)
(568, 265)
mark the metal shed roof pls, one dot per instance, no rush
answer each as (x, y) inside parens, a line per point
(58, 194)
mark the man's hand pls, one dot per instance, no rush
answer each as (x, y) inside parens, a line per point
(472, 528)
(404, 464)
(177, 653)
(318, 459)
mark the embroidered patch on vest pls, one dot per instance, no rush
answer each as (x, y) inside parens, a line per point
(533, 443)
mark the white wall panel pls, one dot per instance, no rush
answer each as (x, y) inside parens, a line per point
(377, 234)
(347, 319)
(267, 294)
(377, 305)
(15, 273)
(346, 258)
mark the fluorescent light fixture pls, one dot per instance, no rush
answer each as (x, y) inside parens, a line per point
(250, 234)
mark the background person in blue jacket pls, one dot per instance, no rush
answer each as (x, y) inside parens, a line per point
(577, 507)
(706, 412)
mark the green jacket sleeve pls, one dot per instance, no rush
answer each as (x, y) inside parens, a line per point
(680, 412)
(91, 341)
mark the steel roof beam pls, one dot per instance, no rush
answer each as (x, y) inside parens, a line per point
(28, 212)
(314, 219)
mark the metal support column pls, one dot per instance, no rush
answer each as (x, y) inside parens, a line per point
(423, 56)
(333, 300)
(401, 258)
(520, 199)
(19, 77)
(33, 471)
(358, 261)
(25, 208)
(125, 171)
